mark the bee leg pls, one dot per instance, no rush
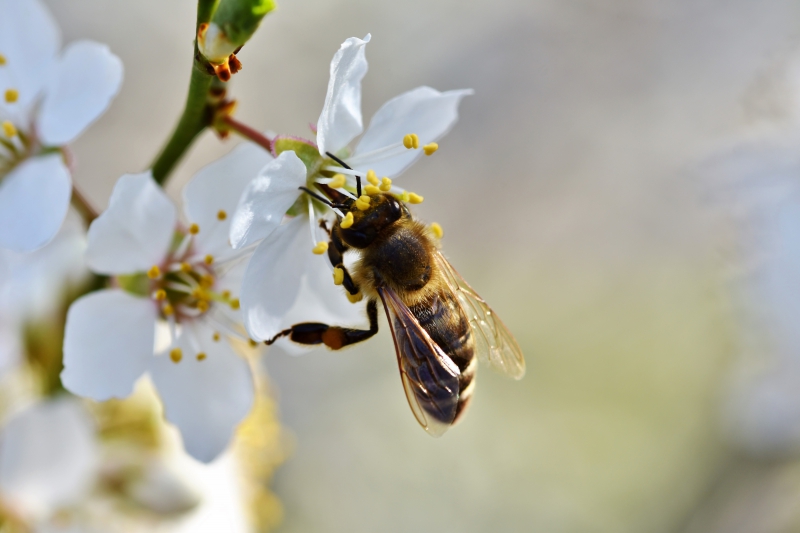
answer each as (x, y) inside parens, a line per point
(336, 252)
(324, 225)
(334, 337)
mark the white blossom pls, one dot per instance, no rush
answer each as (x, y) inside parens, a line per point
(47, 99)
(284, 281)
(181, 276)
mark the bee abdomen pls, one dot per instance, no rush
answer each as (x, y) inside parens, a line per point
(445, 322)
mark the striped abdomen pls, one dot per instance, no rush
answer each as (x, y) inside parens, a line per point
(441, 316)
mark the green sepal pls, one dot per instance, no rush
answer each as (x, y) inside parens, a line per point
(138, 284)
(308, 153)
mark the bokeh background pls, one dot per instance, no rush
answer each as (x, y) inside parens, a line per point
(568, 200)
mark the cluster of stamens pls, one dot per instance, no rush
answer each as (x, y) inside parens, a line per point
(184, 288)
(13, 144)
(374, 184)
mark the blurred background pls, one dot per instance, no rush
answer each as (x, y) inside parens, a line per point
(569, 198)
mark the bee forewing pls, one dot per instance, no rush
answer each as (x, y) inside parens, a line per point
(494, 343)
(430, 377)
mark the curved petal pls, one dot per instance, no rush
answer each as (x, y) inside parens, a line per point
(272, 279)
(86, 79)
(219, 186)
(206, 398)
(266, 199)
(424, 111)
(340, 120)
(135, 232)
(108, 343)
(319, 300)
(29, 40)
(48, 457)
(34, 199)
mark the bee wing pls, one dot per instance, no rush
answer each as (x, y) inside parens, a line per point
(430, 377)
(494, 343)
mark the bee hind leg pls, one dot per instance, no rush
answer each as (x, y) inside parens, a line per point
(334, 337)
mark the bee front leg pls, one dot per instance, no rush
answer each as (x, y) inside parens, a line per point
(334, 337)
(336, 251)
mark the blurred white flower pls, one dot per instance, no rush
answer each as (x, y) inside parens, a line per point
(282, 265)
(756, 184)
(165, 273)
(48, 458)
(47, 99)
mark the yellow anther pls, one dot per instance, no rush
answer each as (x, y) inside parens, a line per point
(411, 141)
(355, 298)
(320, 248)
(186, 267)
(168, 310)
(430, 148)
(206, 281)
(8, 129)
(338, 276)
(414, 198)
(363, 203)
(194, 229)
(347, 221)
(12, 95)
(154, 272)
(372, 189)
(221, 214)
(338, 181)
(403, 197)
(437, 230)
(160, 295)
(386, 184)
(252, 343)
(372, 178)
(235, 304)
(3, 60)
(201, 356)
(216, 337)
(176, 354)
(208, 259)
(202, 306)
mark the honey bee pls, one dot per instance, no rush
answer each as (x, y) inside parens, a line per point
(439, 323)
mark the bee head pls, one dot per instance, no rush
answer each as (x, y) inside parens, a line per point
(368, 217)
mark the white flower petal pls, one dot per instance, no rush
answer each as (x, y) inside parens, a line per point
(29, 40)
(219, 186)
(34, 199)
(205, 399)
(108, 343)
(424, 111)
(86, 79)
(135, 232)
(48, 457)
(266, 199)
(272, 279)
(319, 300)
(340, 120)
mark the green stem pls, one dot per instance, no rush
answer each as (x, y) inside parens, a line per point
(197, 114)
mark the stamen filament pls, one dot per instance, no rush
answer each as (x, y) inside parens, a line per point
(377, 151)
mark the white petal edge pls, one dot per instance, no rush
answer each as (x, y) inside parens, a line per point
(29, 40)
(266, 199)
(272, 279)
(219, 186)
(108, 343)
(135, 232)
(424, 111)
(340, 120)
(86, 79)
(48, 457)
(34, 198)
(205, 399)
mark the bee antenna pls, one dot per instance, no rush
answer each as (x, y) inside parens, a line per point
(348, 167)
(318, 197)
